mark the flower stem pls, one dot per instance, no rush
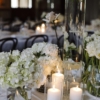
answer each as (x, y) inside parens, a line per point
(56, 34)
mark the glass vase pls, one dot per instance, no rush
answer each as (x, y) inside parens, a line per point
(92, 80)
(19, 93)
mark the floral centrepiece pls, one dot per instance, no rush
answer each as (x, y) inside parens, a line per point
(28, 67)
(91, 59)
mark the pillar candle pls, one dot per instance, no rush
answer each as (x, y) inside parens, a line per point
(53, 94)
(75, 93)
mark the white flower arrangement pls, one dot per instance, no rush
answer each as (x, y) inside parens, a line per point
(92, 45)
(30, 66)
(47, 55)
(68, 46)
(54, 18)
(91, 58)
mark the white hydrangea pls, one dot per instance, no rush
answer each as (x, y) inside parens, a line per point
(90, 48)
(4, 58)
(93, 45)
(37, 47)
(15, 55)
(18, 69)
(50, 50)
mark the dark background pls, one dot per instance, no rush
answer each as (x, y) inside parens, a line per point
(6, 12)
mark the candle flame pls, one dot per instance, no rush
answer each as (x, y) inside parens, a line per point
(77, 86)
(38, 28)
(43, 25)
(58, 69)
(73, 79)
(53, 86)
(76, 59)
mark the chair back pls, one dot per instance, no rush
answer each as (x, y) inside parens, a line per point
(8, 44)
(61, 41)
(35, 39)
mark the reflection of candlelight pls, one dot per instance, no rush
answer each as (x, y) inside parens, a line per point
(56, 21)
(81, 6)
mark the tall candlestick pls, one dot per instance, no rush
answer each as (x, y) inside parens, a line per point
(53, 94)
(75, 93)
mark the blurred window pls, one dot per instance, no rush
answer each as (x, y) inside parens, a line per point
(21, 3)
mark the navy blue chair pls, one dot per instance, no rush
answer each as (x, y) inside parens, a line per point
(35, 39)
(8, 44)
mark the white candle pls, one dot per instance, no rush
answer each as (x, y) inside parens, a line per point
(53, 94)
(38, 30)
(75, 93)
(74, 84)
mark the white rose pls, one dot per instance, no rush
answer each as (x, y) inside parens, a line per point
(98, 54)
(90, 48)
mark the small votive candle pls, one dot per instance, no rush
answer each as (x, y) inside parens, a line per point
(75, 93)
(74, 84)
(38, 29)
(42, 30)
(43, 25)
(53, 94)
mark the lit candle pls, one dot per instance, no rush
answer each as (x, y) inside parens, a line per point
(76, 59)
(42, 30)
(38, 30)
(53, 94)
(75, 93)
(43, 25)
(74, 84)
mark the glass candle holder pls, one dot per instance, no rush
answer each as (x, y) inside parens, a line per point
(72, 73)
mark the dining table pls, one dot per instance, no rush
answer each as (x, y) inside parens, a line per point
(36, 95)
(23, 35)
